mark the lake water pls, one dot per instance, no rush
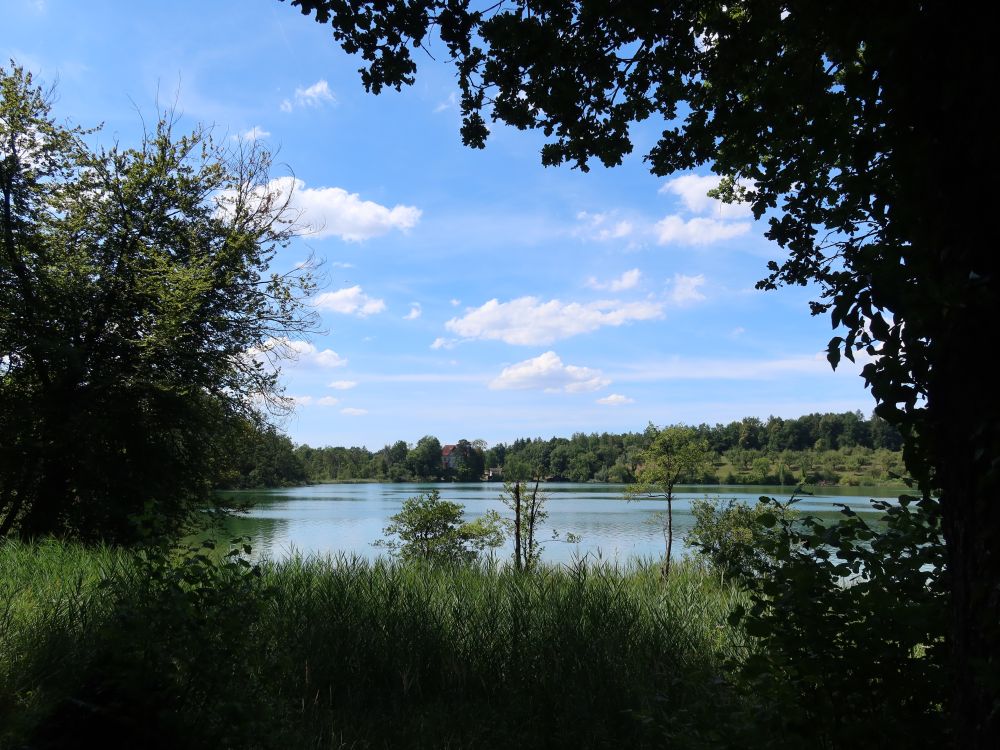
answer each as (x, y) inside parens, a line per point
(348, 518)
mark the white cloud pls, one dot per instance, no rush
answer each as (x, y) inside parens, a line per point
(627, 280)
(615, 399)
(352, 411)
(450, 103)
(350, 301)
(684, 289)
(548, 372)
(329, 358)
(342, 385)
(341, 264)
(602, 226)
(303, 353)
(300, 400)
(529, 321)
(442, 343)
(456, 302)
(415, 311)
(253, 134)
(693, 189)
(328, 401)
(310, 96)
(697, 231)
(333, 212)
(737, 332)
(718, 221)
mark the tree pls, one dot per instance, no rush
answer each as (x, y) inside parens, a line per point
(851, 125)
(137, 317)
(424, 460)
(675, 454)
(529, 512)
(471, 463)
(431, 529)
(255, 454)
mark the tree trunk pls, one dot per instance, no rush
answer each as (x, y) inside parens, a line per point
(940, 81)
(518, 561)
(963, 397)
(665, 571)
(963, 415)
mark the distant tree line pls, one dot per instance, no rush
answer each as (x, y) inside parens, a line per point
(842, 448)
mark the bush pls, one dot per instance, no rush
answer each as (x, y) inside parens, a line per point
(431, 529)
(728, 534)
(849, 620)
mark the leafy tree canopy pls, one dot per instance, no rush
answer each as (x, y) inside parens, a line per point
(136, 316)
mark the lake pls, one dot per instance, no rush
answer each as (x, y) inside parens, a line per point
(348, 518)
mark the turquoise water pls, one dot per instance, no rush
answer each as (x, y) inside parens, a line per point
(348, 518)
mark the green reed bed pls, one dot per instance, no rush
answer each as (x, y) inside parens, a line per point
(345, 653)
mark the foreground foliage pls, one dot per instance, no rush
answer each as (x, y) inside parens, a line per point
(132, 649)
(799, 634)
(849, 619)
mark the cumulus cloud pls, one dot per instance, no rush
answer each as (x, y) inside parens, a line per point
(342, 385)
(528, 321)
(717, 220)
(693, 189)
(456, 302)
(333, 212)
(547, 372)
(303, 353)
(615, 399)
(627, 280)
(350, 301)
(328, 358)
(684, 289)
(697, 231)
(602, 227)
(253, 134)
(310, 96)
(328, 401)
(352, 411)
(442, 343)
(415, 311)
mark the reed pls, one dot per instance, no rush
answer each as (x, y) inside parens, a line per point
(340, 652)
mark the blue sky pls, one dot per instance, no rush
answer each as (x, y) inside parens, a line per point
(467, 293)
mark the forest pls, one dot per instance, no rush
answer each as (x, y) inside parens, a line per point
(831, 448)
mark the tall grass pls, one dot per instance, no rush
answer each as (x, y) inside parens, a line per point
(340, 652)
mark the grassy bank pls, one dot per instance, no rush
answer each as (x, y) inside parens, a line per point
(119, 648)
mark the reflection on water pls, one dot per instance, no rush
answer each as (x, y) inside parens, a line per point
(347, 518)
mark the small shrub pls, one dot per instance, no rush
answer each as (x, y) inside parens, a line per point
(431, 529)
